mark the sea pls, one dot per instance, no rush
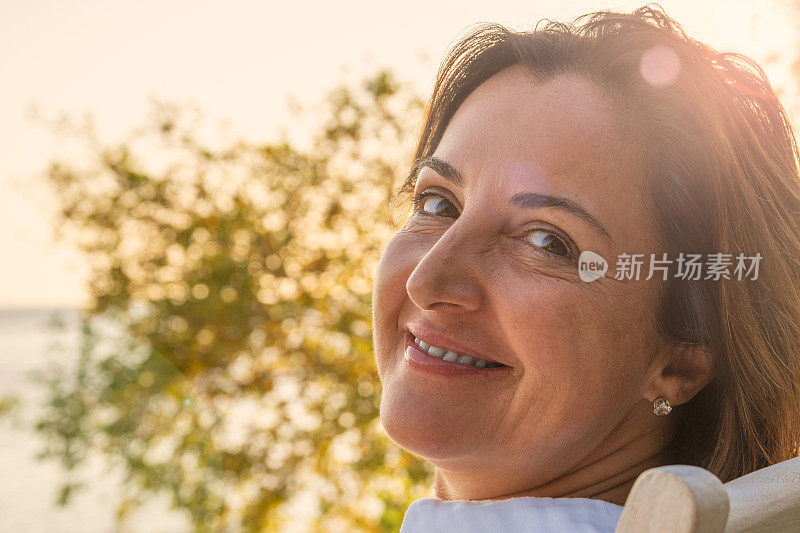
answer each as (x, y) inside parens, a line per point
(29, 487)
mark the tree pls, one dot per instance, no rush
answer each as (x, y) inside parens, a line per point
(237, 373)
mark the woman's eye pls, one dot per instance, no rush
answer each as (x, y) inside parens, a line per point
(434, 204)
(549, 242)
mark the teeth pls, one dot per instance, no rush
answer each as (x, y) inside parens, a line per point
(451, 356)
(466, 359)
(436, 351)
(454, 357)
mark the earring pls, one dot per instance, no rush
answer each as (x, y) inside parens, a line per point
(661, 406)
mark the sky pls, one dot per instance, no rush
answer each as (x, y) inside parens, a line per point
(238, 61)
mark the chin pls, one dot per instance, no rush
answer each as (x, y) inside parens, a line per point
(435, 432)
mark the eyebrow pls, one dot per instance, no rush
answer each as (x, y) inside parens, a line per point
(524, 200)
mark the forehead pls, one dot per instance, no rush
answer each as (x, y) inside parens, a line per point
(560, 137)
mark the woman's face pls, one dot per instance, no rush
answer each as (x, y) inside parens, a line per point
(526, 177)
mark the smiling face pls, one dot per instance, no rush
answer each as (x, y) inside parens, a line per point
(526, 177)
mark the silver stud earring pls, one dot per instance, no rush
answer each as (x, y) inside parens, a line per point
(661, 406)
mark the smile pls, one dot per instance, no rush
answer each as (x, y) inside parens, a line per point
(453, 357)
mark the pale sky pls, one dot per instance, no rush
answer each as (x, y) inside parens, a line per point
(238, 61)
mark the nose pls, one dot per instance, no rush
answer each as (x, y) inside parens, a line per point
(448, 278)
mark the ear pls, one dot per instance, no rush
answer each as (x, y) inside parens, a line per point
(681, 374)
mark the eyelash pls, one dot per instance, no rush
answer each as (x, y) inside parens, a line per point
(418, 198)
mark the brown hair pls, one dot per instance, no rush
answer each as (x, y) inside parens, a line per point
(722, 164)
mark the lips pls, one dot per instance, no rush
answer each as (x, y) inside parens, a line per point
(423, 362)
(435, 337)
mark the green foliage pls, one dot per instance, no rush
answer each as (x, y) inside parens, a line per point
(237, 374)
(8, 404)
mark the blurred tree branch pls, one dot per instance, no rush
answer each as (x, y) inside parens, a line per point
(239, 279)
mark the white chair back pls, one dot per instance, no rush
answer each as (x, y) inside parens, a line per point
(688, 499)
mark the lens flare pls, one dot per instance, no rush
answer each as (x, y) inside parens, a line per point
(660, 66)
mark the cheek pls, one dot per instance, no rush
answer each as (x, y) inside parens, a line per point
(583, 364)
(388, 295)
(578, 348)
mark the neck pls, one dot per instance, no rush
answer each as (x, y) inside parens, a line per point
(603, 475)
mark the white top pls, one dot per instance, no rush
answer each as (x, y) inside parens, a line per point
(526, 514)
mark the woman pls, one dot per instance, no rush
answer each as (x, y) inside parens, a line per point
(538, 392)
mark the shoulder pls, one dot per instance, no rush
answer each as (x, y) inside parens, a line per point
(527, 514)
